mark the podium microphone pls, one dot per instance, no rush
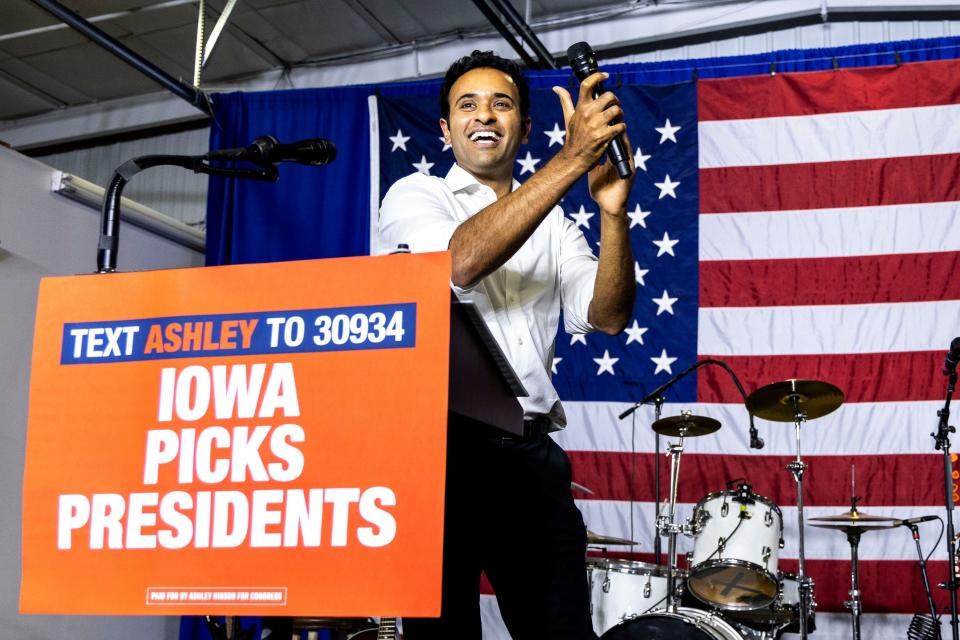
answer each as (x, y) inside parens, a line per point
(584, 63)
(267, 150)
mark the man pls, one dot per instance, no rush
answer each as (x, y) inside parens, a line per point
(509, 509)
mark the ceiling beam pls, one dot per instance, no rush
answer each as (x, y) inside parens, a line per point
(182, 90)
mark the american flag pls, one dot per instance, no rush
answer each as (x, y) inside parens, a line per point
(801, 225)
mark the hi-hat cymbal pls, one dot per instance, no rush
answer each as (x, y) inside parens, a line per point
(598, 539)
(687, 425)
(779, 401)
(851, 521)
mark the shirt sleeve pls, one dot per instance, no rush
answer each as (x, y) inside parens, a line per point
(414, 213)
(578, 274)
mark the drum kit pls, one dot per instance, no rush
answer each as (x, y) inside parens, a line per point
(732, 588)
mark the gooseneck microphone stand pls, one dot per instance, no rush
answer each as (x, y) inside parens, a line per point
(656, 397)
(942, 438)
(110, 212)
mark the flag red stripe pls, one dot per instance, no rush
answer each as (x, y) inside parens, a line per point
(828, 185)
(864, 377)
(818, 281)
(889, 480)
(797, 94)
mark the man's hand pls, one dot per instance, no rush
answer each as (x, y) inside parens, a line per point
(607, 188)
(588, 124)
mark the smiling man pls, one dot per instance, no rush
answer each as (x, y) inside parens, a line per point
(509, 509)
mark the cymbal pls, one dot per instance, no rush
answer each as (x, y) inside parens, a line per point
(687, 425)
(775, 401)
(851, 521)
(596, 539)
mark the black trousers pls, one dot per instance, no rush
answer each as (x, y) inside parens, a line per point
(510, 513)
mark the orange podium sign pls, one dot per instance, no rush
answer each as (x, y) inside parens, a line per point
(254, 439)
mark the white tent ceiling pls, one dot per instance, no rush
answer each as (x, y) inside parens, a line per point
(56, 85)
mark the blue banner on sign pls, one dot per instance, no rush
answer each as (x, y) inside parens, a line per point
(391, 326)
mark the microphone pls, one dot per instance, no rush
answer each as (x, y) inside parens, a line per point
(912, 521)
(953, 357)
(268, 150)
(584, 63)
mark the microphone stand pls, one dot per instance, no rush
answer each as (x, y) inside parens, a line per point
(656, 396)
(915, 532)
(110, 213)
(942, 438)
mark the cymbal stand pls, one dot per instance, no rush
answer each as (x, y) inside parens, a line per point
(667, 524)
(797, 468)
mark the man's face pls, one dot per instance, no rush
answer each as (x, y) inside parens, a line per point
(485, 127)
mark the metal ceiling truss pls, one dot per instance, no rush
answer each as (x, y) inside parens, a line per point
(501, 12)
(193, 95)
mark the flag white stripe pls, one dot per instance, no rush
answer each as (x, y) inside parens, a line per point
(612, 517)
(863, 428)
(826, 233)
(815, 330)
(830, 137)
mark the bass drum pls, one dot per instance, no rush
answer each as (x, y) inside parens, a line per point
(685, 624)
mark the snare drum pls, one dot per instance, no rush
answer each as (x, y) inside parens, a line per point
(621, 589)
(736, 550)
(685, 624)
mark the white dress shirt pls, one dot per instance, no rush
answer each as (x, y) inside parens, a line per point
(521, 300)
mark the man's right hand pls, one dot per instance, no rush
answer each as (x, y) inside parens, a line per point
(588, 124)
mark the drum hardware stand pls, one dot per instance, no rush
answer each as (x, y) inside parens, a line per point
(942, 439)
(854, 603)
(797, 467)
(667, 524)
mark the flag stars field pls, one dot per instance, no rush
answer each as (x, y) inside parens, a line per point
(582, 217)
(667, 132)
(667, 187)
(665, 303)
(423, 166)
(528, 164)
(399, 141)
(663, 363)
(666, 245)
(556, 135)
(638, 217)
(605, 364)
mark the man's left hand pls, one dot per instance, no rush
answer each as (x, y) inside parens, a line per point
(607, 188)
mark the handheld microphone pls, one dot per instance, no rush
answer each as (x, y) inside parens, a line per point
(912, 521)
(268, 150)
(953, 357)
(584, 63)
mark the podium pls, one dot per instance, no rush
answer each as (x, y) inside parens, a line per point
(483, 386)
(261, 418)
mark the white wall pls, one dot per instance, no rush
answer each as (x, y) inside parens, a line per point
(44, 234)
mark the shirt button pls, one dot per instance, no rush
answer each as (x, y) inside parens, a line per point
(519, 340)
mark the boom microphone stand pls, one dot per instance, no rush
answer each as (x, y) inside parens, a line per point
(264, 153)
(942, 438)
(656, 396)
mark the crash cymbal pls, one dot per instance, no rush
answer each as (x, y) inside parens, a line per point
(686, 424)
(598, 539)
(851, 521)
(775, 401)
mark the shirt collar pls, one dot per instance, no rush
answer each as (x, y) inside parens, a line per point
(459, 178)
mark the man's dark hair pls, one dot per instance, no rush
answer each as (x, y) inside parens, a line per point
(484, 60)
